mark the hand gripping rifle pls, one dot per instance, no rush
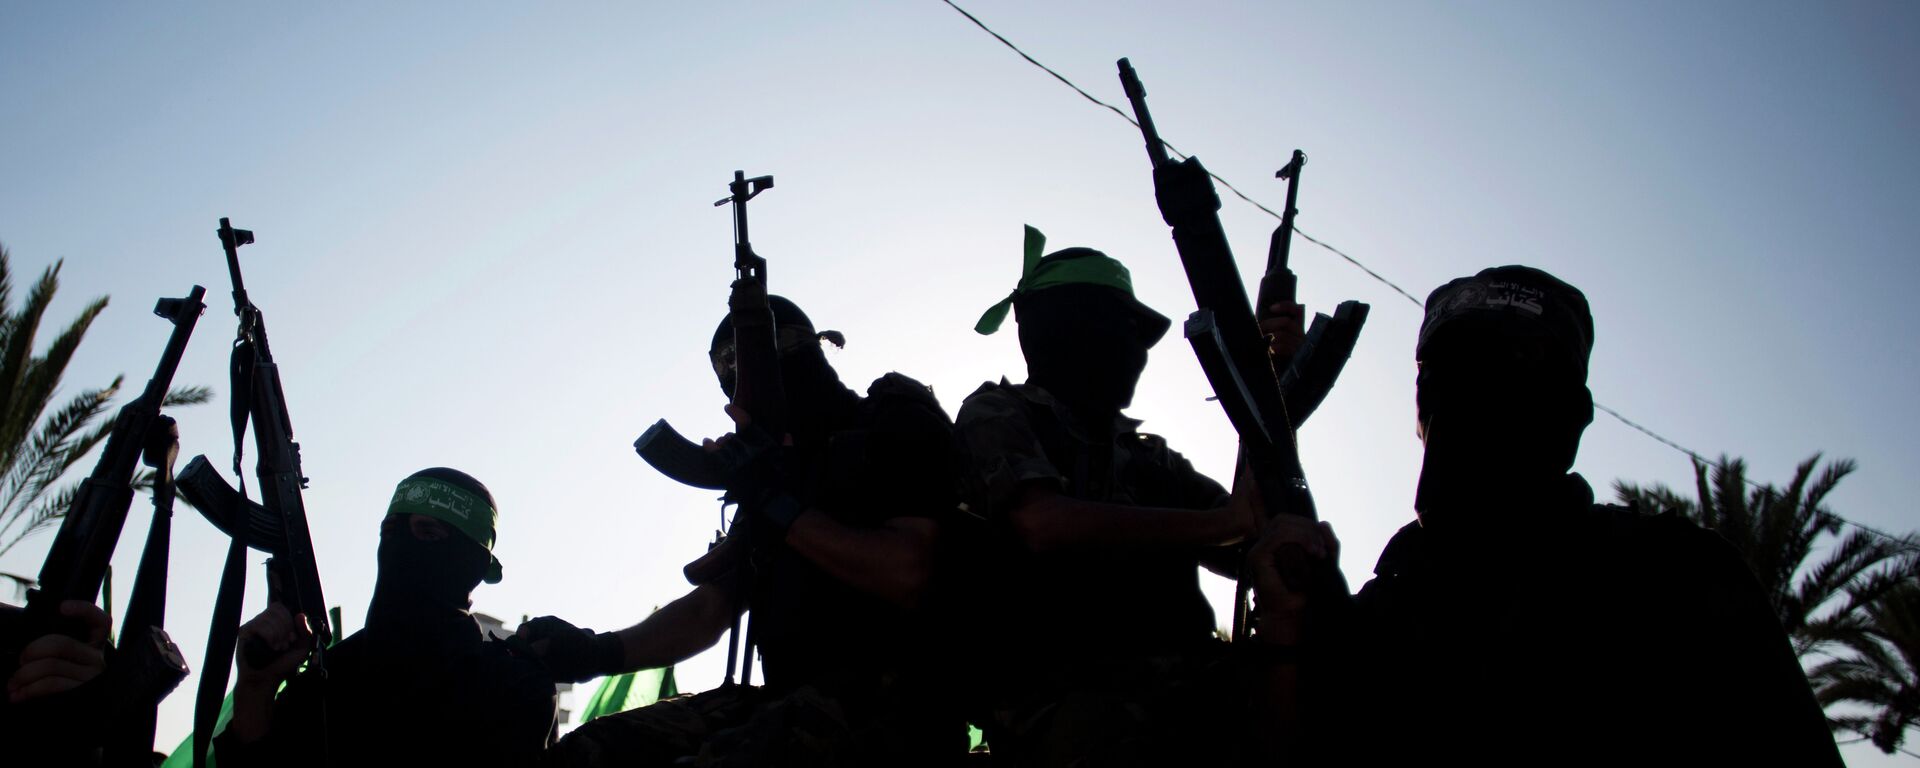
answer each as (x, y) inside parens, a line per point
(758, 390)
(146, 665)
(1226, 336)
(277, 525)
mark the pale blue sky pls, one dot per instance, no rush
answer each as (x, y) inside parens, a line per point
(486, 240)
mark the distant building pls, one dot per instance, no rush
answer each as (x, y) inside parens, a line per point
(498, 629)
(16, 587)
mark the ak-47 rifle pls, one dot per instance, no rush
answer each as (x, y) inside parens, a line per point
(146, 665)
(1316, 365)
(757, 389)
(1226, 336)
(277, 526)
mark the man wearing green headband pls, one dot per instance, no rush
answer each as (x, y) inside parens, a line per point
(1100, 647)
(422, 684)
(837, 579)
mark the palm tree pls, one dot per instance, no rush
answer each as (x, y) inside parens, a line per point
(36, 452)
(1776, 531)
(1883, 673)
(1858, 608)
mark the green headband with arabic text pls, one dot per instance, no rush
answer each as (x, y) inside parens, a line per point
(465, 510)
(1089, 266)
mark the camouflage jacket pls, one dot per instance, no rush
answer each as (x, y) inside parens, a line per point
(1040, 608)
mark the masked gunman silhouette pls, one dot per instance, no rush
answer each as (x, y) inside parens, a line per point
(834, 564)
(1096, 646)
(1516, 621)
(421, 684)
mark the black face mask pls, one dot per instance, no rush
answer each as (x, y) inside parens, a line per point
(1085, 346)
(1498, 440)
(423, 580)
(815, 396)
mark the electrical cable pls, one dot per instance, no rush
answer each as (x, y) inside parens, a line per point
(1693, 454)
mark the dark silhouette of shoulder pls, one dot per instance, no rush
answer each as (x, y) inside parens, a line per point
(1643, 635)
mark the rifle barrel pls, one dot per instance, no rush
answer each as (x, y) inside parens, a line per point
(230, 240)
(184, 311)
(1137, 95)
(1283, 237)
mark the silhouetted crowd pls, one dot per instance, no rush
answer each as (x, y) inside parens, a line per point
(1030, 566)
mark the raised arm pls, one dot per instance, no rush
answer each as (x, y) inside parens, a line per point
(680, 629)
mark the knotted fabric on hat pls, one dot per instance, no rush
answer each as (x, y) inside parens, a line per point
(1072, 265)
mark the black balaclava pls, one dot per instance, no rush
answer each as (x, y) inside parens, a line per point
(1086, 345)
(427, 583)
(1501, 396)
(816, 398)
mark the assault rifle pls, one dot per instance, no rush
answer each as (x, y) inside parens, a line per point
(1314, 368)
(757, 389)
(146, 665)
(1226, 336)
(277, 526)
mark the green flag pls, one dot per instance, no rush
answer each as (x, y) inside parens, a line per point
(182, 756)
(632, 690)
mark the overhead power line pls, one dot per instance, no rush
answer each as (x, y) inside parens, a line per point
(1382, 279)
(1176, 151)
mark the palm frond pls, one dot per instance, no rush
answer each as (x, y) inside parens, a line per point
(16, 360)
(37, 449)
(43, 374)
(1895, 620)
(6, 296)
(1707, 514)
(194, 395)
(1656, 499)
(1856, 609)
(1882, 673)
(1839, 629)
(1834, 473)
(53, 449)
(1855, 688)
(50, 512)
(1849, 569)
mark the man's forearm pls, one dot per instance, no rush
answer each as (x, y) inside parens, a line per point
(679, 630)
(892, 563)
(1275, 702)
(1049, 521)
(252, 712)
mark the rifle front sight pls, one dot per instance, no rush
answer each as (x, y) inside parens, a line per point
(230, 240)
(742, 189)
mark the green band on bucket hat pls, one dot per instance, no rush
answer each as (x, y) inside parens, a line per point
(468, 512)
(1069, 266)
